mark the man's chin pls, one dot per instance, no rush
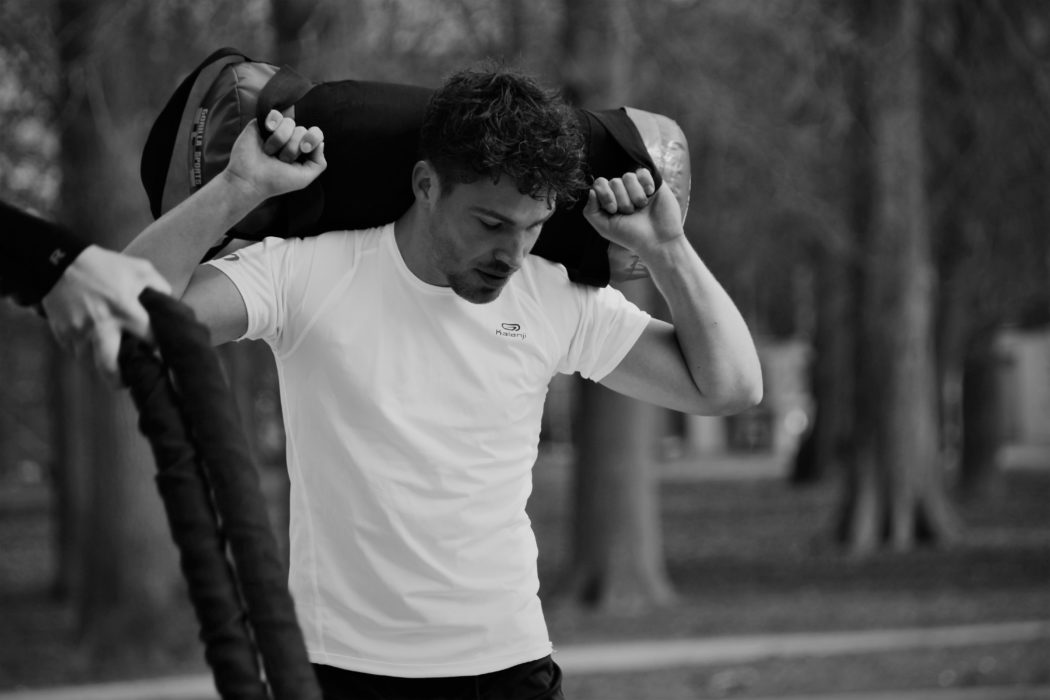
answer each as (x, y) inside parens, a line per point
(478, 295)
(476, 292)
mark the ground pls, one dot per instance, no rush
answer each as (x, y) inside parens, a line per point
(747, 556)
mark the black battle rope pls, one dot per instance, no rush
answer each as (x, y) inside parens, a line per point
(197, 397)
(228, 645)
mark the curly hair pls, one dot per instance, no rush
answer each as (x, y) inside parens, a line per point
(495, 123)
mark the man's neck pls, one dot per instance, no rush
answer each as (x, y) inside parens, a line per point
(413, 244)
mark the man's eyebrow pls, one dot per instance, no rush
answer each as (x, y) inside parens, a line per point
(492, 213)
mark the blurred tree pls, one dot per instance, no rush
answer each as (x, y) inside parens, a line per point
(988, 64)
(28, 179)
(117, 63)
(617, 550)
(126, 576)
(895, 492)
(843, 182)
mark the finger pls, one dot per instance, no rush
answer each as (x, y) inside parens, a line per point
(624, 205)
(290, 152)
(648, 182)
(64, 338)
(281, 133)
(635, 190)
(135, 320)
(273, 118)
(79, 334)
(80, 344)
(313, 139)
(603, 192)
(105, 344)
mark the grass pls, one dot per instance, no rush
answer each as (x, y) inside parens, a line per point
(753, 556)
(745, 557)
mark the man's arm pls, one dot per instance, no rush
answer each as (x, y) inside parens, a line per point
(706, 362)
(289, 160)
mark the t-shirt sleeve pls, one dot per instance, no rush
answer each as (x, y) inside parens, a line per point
(608, 327)
(279, 279)
(256, 271)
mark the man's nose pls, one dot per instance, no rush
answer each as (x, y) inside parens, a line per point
(512, 253)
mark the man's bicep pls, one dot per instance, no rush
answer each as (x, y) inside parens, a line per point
(654, 371)
(218, 304)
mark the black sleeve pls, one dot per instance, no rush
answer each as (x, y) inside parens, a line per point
(33, 255)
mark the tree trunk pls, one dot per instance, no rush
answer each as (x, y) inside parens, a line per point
(828, 447)
(896, 493)
(982, 410)
(128, 574)
(71, 401)
(618, 554)
(821, 452)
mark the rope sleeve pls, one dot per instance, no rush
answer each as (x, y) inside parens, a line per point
(211, 422)
(228, 646)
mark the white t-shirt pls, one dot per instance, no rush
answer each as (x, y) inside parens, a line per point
(412, 420)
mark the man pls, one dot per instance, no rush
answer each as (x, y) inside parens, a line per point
(89, 294)
(414, 360)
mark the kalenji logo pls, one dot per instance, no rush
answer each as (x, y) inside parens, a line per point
(510, 330)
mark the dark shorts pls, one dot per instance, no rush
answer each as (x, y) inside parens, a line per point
(534, 680)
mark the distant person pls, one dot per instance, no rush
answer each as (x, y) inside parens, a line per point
(414, 360)
(88, 294)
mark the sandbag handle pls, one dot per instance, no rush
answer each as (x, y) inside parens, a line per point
(281, 91)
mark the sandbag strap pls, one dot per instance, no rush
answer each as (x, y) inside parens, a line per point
(282, 91)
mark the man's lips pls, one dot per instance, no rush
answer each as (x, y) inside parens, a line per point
(493, 276)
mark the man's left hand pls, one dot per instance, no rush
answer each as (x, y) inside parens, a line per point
(631, 212)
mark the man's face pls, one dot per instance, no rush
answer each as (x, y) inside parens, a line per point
(481, 233)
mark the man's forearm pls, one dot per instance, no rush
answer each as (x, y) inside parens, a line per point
(176, 242)
(713, 336)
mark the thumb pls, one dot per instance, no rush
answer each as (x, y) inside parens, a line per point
(591, 209)
(317, 160)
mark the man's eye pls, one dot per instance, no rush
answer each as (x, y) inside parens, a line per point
(491, 225)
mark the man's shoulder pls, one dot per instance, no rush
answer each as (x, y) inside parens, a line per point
(333, 246)
(359, 238)
(550, 281)
(546, 275)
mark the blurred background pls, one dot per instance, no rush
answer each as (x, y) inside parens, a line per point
(871, 183)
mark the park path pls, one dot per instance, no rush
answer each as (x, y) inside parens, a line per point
(650, 655)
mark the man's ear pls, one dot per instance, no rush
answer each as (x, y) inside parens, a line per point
(425, 183)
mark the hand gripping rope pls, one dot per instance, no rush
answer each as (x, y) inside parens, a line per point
(216, 511)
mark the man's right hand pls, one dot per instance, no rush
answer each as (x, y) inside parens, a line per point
(290, 159)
